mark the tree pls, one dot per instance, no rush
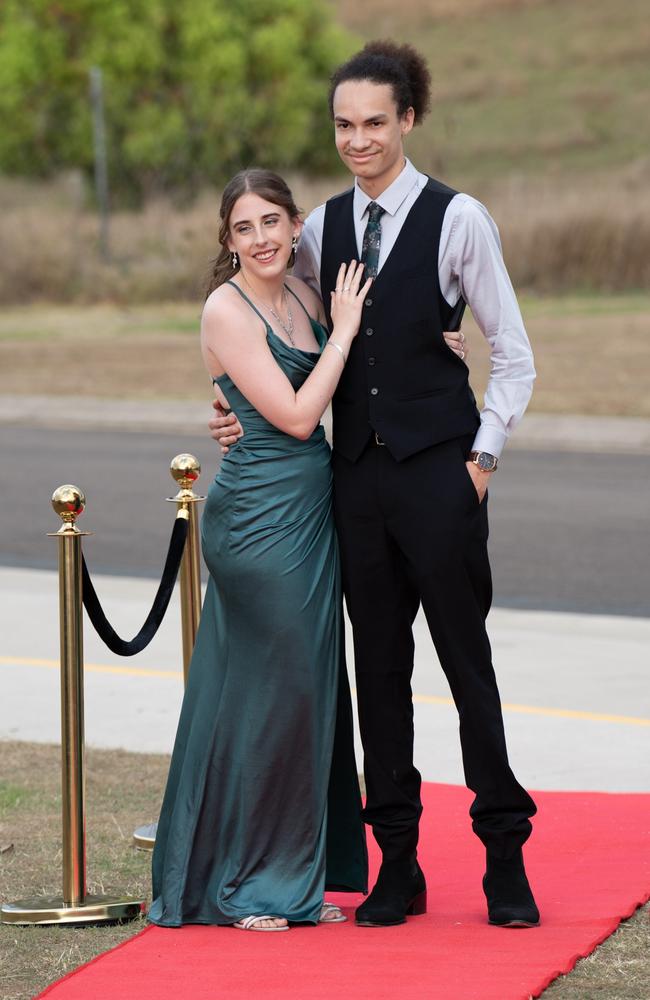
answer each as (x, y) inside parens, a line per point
(194, 90)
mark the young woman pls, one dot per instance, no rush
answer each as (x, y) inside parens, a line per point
(262, 810)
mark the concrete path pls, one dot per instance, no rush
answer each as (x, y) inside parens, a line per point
(564, 432)
(575, 687)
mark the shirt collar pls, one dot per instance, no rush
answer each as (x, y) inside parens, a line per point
(392, 198)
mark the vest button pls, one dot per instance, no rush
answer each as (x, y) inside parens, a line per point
(374, 392)
(368, 302)
(369, 331)
(371, 361)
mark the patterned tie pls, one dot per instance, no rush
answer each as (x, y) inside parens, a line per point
(372, 240)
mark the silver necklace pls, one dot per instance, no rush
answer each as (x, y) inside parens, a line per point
(288, 326)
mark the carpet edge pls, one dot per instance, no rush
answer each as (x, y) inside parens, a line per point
(573, 961)
(91, 961)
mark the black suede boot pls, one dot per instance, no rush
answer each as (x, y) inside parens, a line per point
(400, 892)
(509, 897)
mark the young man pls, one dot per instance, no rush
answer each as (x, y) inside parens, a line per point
(412, 459)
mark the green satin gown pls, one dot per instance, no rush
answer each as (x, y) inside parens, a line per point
(262, 810)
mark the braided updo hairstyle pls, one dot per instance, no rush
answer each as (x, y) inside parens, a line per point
(400, 66)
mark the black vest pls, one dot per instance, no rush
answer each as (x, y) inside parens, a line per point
(401, 380)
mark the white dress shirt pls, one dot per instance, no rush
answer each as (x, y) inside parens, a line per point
(470, 263)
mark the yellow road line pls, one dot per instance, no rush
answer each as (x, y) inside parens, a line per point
(92, 668)
(422, 699)
(561, 713)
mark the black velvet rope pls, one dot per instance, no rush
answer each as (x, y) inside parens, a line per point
(101, 623)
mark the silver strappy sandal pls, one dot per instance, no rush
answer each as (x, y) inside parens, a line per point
(331, 908)
(248, 923)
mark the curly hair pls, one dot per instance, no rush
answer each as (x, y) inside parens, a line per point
(400, 66)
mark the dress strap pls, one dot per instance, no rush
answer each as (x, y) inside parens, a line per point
(251, 304)
(302, 305)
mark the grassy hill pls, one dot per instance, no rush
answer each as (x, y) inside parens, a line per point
(541, 110)
(525, 86)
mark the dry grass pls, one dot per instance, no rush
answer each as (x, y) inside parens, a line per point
(354, 12)
(618, 970)
(558, 235)
(49, 245)
(144, 352)
(592, 353)
(124, 790)
(588, 233)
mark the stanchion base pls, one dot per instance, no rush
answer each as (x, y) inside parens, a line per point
(95, 909)
(144, 837)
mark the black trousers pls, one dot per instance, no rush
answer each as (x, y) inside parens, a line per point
(414, 532)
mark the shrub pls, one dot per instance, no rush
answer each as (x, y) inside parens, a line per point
(193, 90)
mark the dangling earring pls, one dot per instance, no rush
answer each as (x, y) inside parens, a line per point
(292, 255)
(235, 260)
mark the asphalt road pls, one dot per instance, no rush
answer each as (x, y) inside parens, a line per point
(569, 532)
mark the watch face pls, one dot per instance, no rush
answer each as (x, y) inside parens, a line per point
(485, 461)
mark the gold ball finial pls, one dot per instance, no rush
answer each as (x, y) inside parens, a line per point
(185, 469)
(69, 503)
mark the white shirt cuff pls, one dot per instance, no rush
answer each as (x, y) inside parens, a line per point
(490, 439)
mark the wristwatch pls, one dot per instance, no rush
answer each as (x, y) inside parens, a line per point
(483, 460)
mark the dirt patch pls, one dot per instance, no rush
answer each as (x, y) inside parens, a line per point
(592, 353)
(592, 356)
(142, 368)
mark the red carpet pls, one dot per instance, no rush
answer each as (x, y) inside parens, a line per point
(589, 865)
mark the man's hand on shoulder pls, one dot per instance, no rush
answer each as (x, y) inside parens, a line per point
(224, 427)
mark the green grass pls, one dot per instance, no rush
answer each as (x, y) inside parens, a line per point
(12, 796)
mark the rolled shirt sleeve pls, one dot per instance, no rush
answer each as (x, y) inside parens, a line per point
(471, 264)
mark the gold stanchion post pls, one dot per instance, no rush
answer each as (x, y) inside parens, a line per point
(185, 470)
(75, 905)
